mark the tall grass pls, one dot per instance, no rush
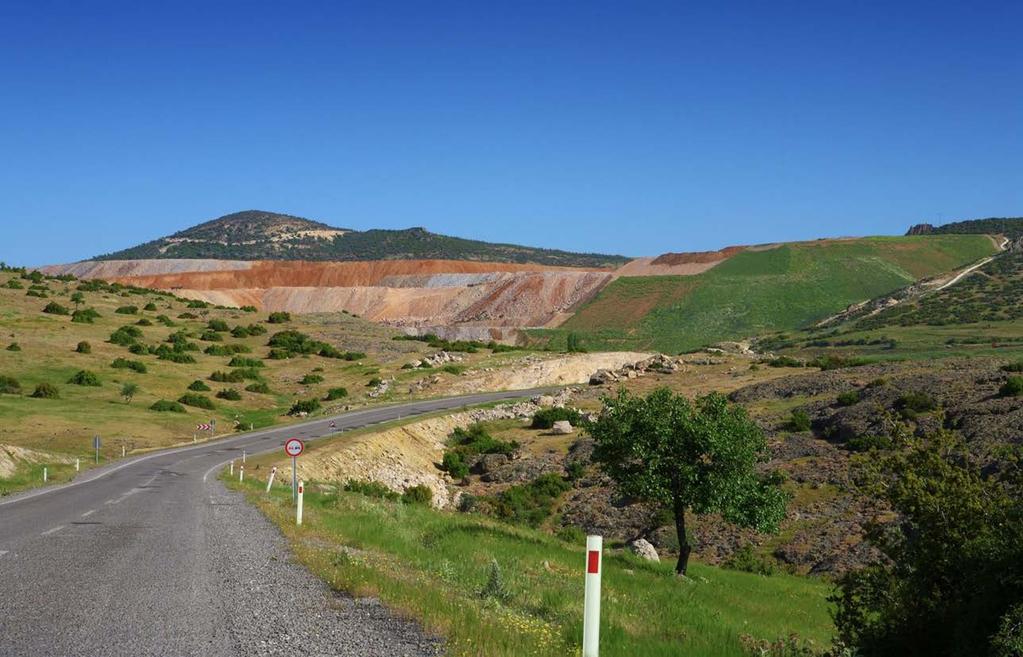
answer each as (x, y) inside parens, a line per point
(436, 567)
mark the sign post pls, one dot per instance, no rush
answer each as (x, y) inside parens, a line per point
(591, 597)
(293, 447)
(95, 446)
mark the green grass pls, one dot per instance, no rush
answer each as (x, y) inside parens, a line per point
(760, 291)
(432, 565)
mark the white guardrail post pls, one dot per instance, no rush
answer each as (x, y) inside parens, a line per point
(44, 474)
(298, 509)
(78, 465)
(241, 473)
(591, 596)
(232, 468)
(270, 481)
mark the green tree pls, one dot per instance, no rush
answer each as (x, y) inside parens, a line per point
(952, 583)
(697, 457)
(78, 299)
(128, 391)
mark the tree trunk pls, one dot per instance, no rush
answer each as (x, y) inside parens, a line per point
(684, 549)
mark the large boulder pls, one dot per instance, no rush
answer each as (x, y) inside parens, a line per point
(603, 377)
(643, 549)
(562, 428)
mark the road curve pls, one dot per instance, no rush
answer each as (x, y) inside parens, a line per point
(151, 556)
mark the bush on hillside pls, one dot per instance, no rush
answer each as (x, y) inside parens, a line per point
(84, 347)
(230, 394)
(46, 391)
(233, 376)
(868, 443)
(335, 394)
(304, 406)
(143, 322)
(278, 318)
(239, 361)
(126, 336)
(14, 346)
(149, 307)
(260, 387)
(249, 309)
(530, 503)
(849, 398)
(198, 386)
(419, 494)
(747, 560)
(165, 406)
(54, 308)
(798, 421)
(198, 401)
(218, 325)
(84, 378)
(370, 489)
(1013, 387)
(175, 356)
(546, 417)
(226, 349)
(127, 310)
(311, 379)
(85, 316)
(9, 385)
(211, 336)
(124, 363)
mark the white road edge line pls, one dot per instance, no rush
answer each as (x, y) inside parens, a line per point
(88, 513)
(52, 530)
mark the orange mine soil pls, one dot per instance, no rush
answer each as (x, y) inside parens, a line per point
(451, 297)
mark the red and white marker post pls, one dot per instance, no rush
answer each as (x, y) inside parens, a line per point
(298, 507)
(270, 481)
(591, 597)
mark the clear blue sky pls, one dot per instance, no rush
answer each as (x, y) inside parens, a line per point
(625, 127)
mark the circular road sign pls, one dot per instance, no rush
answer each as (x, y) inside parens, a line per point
(293, 447)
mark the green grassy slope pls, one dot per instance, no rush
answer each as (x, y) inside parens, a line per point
(761, 291)
(981, 314)
(434, 566)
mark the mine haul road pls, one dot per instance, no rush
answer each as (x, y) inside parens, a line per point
(151, 555)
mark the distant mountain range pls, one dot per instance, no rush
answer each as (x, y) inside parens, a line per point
(260, 235)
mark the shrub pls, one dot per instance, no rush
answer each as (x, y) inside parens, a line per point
(279, 318)
(199, 401)
(295, 342)
(304, 406)
(798, 421)
(127, 310)
(226, 349)
(476, 440)
(311, 379)
(336, 393)
(195, 303)
(139, 349)
(453, 369)
(175, 357)
(575, 470)
(572, 534)
(14, 346)
(1012, 387)
(574, 343)
(785, 361)
(354, 355)
(747, 560)
(54, 308)
(467, 503)
(495, 588)
(45, 391)
(165, 320)
(165, 406)
(150, 306)
(37, 294)
(240, 332)
(370, 489)
(546, 417)
(218, 325)
(918, 402)
(198, 386)
(211, 336)
(9, 385)
(239, 361)
(530, 503)
(84, 378)
(188, 316)
(867, 443)
(84, 347)
(134, 365)
(143, 322)
(454, 464)
(255, 329)
(85, 316)
(261, 387)
(375, 381)
(234, 376)
(230, 394)
(14, 284)
(1013, 367)
(279, 354)
(419, 494)
(849, 398)
(249, 309)
(126, 336)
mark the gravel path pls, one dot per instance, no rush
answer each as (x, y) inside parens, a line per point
(274, 606)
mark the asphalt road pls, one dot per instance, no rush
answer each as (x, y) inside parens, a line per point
(151, 556)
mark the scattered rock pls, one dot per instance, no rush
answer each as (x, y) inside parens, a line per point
(643, 549)
(562, 428)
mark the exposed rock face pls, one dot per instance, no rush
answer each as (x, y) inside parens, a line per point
(643, 549)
